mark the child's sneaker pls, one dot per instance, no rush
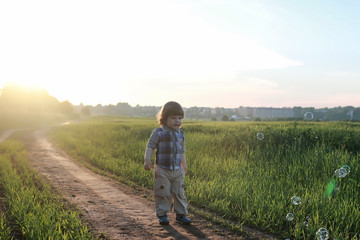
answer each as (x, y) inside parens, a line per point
(182, 219)
(163, 220)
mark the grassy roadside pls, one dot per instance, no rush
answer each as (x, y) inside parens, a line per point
(29, 207)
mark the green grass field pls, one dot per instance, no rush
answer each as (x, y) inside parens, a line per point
(234, 174)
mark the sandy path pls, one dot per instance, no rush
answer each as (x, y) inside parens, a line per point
(109, 207)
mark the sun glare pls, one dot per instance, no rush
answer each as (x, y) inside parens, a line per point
(53, 88)
(25, 84)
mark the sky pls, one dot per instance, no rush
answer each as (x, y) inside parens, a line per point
(205, 53)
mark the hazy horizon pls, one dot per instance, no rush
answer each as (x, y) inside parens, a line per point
(206, 53)
(304, 107)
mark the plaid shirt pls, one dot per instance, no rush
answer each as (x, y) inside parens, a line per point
(169, 145)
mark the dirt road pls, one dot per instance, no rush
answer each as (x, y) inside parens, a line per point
(111, 208)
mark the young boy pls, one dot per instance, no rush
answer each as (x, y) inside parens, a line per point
(170, 167)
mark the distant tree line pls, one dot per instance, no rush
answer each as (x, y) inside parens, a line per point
(22, 104)
(348, 113)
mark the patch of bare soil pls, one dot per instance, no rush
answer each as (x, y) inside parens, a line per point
(112, 208)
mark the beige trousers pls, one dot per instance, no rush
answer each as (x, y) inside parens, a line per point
(169, 184)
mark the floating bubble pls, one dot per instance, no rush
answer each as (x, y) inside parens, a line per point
(341, 172)
(296, 200)
(260, 136)
(290, 217)
(308, 116)
(322, 234)
(347, 168)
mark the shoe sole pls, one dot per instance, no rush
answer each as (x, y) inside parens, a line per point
(164, 223)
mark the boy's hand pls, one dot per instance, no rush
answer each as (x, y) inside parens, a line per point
(147, 165)
(184, 170)
(147, 158)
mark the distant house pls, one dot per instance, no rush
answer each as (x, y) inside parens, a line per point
(268, 113)
(235, 117)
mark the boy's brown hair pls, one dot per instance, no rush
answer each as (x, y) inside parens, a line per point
(169, 109)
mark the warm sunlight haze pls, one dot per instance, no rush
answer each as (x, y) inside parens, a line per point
(180, 119)
(226, 53)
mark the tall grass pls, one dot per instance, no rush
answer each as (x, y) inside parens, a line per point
(236, 175)
(31, 209)
(5, 229)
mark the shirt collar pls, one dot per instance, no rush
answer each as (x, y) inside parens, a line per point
(166, 128)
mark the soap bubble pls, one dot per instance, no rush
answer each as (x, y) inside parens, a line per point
(347, 168)
(260, 136)
(296, 200)
(341, 172)
(322, 234)
(290, 217)
(308, 116)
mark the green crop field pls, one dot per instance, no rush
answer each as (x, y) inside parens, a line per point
(248, 172)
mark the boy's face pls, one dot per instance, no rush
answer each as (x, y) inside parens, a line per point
(174, 122)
